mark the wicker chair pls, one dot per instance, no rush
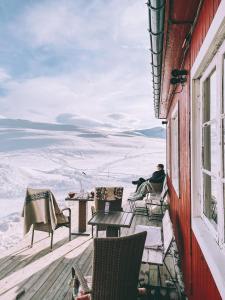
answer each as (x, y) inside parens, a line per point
(116, 196)
(116, 266)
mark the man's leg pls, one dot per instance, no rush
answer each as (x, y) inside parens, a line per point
(138, 182)
(141, 191)
(145, 188)
(148, 188)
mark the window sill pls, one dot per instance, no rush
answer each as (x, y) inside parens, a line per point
(213, 254)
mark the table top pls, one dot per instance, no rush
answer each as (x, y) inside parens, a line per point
(85, 199)
(113, 218)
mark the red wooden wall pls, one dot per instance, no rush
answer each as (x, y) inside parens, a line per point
(198, 279)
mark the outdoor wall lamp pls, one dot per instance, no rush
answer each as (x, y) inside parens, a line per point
(178, 76)
(177, 73)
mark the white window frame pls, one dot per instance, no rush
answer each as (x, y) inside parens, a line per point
(216, 63)
(168, 153)
(212, 66)
(175, 156)
(211, 244)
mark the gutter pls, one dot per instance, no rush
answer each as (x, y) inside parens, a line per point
(156, 14)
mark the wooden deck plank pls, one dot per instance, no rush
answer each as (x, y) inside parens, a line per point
(62, 286)
(17, 250)
(28, 255)
(84, 262)
(45, 274)
(19, 276)
(61, 283)
(20, 262)
(124, 218)
(36, 282)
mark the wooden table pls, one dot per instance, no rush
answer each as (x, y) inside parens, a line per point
(82, 212)
(113, 221)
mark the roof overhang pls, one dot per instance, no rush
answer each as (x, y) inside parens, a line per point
(178, 19)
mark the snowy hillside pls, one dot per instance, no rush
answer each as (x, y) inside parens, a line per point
(44, 156)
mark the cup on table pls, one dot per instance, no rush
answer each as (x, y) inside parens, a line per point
(71, 194)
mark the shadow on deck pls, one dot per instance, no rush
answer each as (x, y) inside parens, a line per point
(39, 273)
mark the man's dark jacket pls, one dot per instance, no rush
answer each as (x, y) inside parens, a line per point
(158, 177)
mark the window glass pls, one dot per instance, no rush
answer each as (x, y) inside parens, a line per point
(224, 207)
(210, 103)
(224, 85)
(209, 148)
(223, 139)
(175, 151)
(210, 200)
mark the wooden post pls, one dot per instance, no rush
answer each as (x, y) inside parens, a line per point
(82, 216)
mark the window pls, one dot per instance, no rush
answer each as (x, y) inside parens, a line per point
(168, 152)
(208, 148)
(210, 173)
(175, 149)
(212, 146)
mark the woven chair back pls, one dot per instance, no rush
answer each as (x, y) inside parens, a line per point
(113, 195)
(116, 266)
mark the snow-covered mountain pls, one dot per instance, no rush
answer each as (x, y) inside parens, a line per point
(155, 132)
(66, 158)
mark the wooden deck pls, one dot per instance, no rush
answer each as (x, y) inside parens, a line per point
(39, 273)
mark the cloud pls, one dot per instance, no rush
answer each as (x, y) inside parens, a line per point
(97, 97)
(116, 116)
(123, 120)
(77, 61)
(89, 25)
(80, 121)
(4, 76)
(61, 24)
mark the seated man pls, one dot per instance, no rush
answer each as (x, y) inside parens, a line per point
(144, 186)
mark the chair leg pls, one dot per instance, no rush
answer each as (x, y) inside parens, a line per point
(32, 237)
(70, 231)
(51, 239)
(159, 276)
(147, 212)
(161, 207)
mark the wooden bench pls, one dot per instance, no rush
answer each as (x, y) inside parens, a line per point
(158, 245)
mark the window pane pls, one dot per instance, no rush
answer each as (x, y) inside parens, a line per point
(210, 201)
(175, 151)
(210, 156)
(224, 85)
(209, 107)
(224, 207)
(223, 143)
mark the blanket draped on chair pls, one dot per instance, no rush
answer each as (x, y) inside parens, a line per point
(41, 209)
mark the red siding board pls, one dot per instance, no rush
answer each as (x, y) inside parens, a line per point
(201, 290)
(199, 283)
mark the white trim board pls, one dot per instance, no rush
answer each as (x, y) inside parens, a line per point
(214, 38)
(212, 252)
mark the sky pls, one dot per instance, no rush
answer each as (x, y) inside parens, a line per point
(76, 62)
